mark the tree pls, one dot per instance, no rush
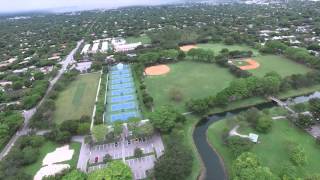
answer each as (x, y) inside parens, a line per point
(315, 108)
(116, 170)
(138, 153)
(304, 121)
(175, 163)
(75, 175)
(238, 145)
(164, 118)
(297, 155)
(107, 158)
(247, 167)
(264, 124)
(175, 95)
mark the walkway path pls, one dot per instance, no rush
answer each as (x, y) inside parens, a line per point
(27, 114)
(234, 132)
(282, 104)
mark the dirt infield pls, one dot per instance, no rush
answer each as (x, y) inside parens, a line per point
(252, 64)
(157, 70)
(187, 48)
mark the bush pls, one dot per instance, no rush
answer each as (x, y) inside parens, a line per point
(138, 153)
(238, 145)
(297, 155)
(264, 124)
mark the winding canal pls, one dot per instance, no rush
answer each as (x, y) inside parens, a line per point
(214, 168)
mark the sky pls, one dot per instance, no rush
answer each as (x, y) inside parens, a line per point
(30, 5)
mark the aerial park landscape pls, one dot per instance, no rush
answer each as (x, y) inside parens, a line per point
(187, 91)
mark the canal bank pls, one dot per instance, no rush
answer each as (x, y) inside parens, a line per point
(213, 165)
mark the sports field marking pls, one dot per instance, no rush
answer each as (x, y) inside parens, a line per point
(122, 91)
(252, 64)
(121, 76)
(187, 48)
(122, 86)
(123, 116)
(116, 99)
(157, 70)
(123, 106)
(120, 81)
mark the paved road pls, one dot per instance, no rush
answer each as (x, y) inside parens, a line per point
(27, 114)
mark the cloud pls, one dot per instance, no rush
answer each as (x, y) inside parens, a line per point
(27, 5)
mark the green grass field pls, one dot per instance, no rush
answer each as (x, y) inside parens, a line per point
(272, 151)
(47, 148)
(144, 39)
(77, 99)
(281, 65)
(192, 79)
(217, 47)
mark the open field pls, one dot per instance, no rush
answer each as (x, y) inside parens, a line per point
(217, 47)
(47, 148)
(272, 151)
(192, 79)
(143, 39)
(77, 99)
(281, 65)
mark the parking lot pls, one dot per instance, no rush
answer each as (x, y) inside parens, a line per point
(125, 149)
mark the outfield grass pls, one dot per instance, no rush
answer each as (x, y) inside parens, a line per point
(217, 47)
(279, 64)
(50, 147)
(192, 79)
(77, 99)
(272, 151)
(144, 39)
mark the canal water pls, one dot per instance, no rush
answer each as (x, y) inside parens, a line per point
(214, 169)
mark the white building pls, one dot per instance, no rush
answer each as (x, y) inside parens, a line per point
(127, 47)
(104, 47)
(83, 66)
(95, 47)
(85, 49)
(118, 41)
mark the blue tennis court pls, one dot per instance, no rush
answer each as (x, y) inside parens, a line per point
(120, 81)
(121, 76)
(123, 106)
(122, 86)
(123, 116)
(116, 99)
(122, 91)
(115, 68)
(126, 71)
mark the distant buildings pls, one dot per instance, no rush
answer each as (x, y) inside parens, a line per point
(127, 47)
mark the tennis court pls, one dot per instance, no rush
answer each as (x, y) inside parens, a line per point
(123, 116)
(125, 71)
(117, 99)
(122, 92)
(121, 76)
(121, 81)
(121, 86)
(123, 106)
(121, 95)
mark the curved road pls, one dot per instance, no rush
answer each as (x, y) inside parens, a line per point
(27, 114)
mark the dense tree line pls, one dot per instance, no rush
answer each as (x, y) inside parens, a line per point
(10, 122)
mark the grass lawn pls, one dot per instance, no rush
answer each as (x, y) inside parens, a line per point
(47, 148)
(279, 64)
(192, 79)
(217, 47)
(272, 151)
(77, 99)
(144, 39)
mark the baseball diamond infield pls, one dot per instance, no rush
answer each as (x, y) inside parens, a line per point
(157, 70)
